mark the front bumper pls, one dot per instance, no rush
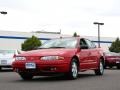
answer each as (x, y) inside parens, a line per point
(42, 67)
(112, 62)
(6, 62)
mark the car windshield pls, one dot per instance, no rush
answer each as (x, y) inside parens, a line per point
(7, 51)
(112, 54)
(60, 43)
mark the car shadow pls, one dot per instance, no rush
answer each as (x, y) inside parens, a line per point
(6, 70)
(113, 68)
(56, 78)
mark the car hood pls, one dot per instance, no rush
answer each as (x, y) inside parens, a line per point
(6, 56)
(47, 52)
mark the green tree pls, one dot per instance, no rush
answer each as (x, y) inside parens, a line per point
(115, 46)
(75, 34)
(31, 43)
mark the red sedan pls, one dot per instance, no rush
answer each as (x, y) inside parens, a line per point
(65, 55)
(112, 59)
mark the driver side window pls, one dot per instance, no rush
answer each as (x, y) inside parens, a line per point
(83, 44)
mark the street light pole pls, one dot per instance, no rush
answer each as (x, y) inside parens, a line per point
(98, 31)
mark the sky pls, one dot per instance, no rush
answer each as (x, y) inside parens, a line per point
(69, 16)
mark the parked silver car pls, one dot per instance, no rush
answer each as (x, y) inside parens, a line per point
(7, 57)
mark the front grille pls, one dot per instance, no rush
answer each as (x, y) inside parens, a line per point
(32, 58)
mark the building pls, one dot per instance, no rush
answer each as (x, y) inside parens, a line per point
(13, 39)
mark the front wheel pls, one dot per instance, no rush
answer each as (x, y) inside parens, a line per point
(73, 73)
(26, 76)
(100, 70)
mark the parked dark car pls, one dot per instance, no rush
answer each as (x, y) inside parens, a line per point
(112, 59)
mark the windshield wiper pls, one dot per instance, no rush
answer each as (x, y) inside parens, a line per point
(42, 48)
(56, 47)
(50, 47)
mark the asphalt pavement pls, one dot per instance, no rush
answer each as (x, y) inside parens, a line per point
(86, 81)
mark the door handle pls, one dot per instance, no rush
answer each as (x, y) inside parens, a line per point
(90, 53)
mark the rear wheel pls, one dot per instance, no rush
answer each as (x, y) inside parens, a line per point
(73, 73)
(100, 70)
(26, 76)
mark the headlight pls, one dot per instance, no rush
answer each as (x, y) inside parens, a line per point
(52, 58)
(20, 58)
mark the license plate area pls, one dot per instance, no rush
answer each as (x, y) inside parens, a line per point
(3, 62)
(30, 65)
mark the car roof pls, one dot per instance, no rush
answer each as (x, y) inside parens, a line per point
(78, 37)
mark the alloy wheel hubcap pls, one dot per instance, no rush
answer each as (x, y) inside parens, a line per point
(101, 67)
(74, 70)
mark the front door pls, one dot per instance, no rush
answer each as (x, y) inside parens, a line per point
(87, 55)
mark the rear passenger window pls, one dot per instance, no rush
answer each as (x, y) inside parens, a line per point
(90, 44)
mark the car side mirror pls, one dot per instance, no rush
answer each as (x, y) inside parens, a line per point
(83, 47)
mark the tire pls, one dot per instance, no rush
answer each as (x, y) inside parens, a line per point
(0, 68)
(118, 66)
(110, 66)
(73, 73)
(26, 76)
(100, 70)
(105, 67)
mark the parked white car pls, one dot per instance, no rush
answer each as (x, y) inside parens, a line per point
(7, 57)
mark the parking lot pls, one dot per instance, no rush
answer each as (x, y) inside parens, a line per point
(86, 81)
